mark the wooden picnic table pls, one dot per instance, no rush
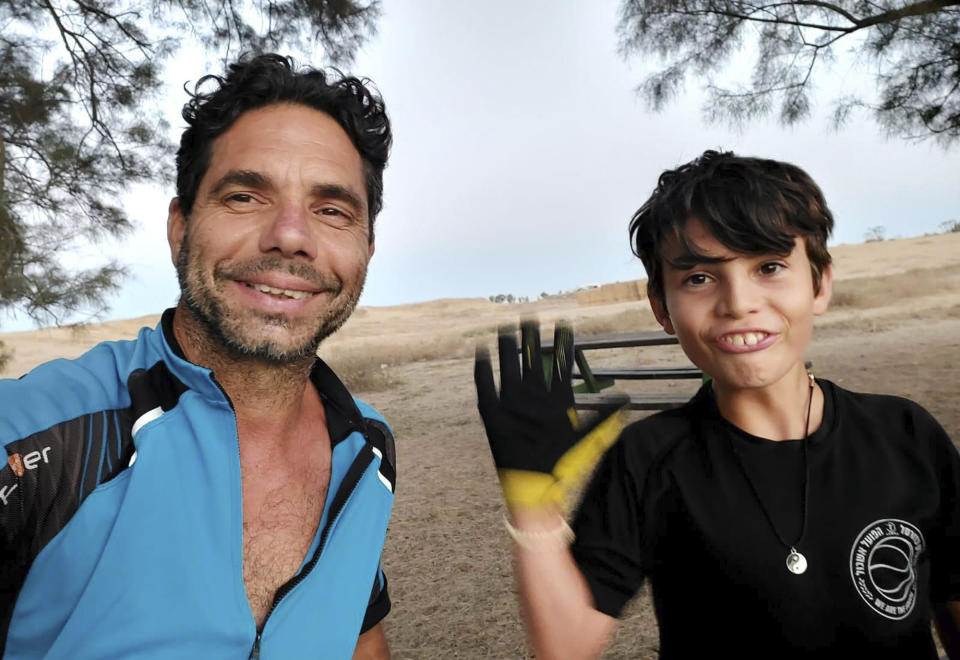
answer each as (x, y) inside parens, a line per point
(588, 395)
(618, 340)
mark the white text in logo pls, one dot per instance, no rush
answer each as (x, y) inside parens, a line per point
(883, 565)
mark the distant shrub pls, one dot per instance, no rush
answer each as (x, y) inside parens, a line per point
(876, 234)
(5, 356)
(508, 298)
(79, 331)
(950, 227)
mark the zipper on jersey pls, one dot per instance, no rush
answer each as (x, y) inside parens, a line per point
(255, 651)
(347, 487)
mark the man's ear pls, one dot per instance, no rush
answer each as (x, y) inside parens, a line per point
(659, 308)
(176, 228)
(821, 300)
(370, 252)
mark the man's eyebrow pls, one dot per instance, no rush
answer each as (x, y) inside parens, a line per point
(246, 178)
(338, 192)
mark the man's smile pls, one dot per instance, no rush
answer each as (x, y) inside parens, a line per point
(279, 286)
(282, 293)
(296, 295)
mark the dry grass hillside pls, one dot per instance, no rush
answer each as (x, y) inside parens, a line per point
(894, 327)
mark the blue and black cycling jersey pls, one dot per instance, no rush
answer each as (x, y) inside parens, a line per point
(121, 517)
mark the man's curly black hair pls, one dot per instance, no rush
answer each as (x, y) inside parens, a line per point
(751, 205)
(256, 81)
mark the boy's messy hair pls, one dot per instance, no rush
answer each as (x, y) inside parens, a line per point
(751, 205)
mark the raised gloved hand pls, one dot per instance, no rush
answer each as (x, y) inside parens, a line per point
(542, 450)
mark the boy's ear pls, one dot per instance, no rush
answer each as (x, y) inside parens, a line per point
(821, 300)
(176, 226)
(659, 308)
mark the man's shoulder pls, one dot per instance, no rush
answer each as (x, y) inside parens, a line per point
(335, 392)
(380, 437)
(65, 389)
(368, 411)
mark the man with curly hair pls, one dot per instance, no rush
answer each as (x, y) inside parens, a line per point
(211, 489)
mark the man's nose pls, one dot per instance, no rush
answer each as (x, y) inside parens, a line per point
(290, 232)
(739, 297)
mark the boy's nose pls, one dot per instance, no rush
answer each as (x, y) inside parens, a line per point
(289, 231)
(739, 297)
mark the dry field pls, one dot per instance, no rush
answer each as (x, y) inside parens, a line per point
(894, 327)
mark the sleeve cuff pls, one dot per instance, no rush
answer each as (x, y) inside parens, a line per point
(609, 601)
(377, 609)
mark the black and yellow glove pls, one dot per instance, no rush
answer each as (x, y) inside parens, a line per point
(542, 450)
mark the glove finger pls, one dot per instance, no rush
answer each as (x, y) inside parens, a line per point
(561, 388)
(483, 378)
(531, 355)
(509, 366)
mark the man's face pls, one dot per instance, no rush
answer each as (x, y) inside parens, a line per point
(274, 254)
(744, 320)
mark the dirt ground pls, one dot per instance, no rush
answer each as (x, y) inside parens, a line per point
(448, 557)
(895, 329)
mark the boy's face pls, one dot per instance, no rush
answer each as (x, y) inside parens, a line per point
(744, 319)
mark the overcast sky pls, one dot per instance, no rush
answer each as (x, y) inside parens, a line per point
(521, 151)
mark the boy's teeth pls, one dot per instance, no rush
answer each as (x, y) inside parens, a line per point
(745, 339)
(296, 295)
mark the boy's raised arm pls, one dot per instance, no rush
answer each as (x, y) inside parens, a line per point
(556, 603)
(542, 451)
(946, 616)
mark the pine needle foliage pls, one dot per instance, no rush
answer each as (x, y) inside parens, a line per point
(911, 48)
(80, 122)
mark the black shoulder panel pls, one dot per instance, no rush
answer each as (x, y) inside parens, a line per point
(48, 475)
(153, 388)
(380, 437)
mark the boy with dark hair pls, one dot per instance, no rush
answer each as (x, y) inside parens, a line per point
(775, 514)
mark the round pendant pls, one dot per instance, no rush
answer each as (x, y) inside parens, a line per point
(796, 563)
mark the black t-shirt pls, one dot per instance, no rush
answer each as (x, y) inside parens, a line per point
(670, 502)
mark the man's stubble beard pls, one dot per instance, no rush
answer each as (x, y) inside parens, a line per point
(230, 330)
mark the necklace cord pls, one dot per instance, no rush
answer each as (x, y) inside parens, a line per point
(806, 478)
(806, 463)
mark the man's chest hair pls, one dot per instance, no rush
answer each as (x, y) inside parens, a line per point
(282, 510)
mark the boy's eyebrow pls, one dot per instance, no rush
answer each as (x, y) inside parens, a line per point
(689, 260)
(246, 178)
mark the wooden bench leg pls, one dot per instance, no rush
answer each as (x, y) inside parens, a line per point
(589, 381)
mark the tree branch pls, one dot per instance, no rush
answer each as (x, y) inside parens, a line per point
(916, 9)
(755, 19)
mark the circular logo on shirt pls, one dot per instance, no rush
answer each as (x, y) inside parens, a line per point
(883, 565)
